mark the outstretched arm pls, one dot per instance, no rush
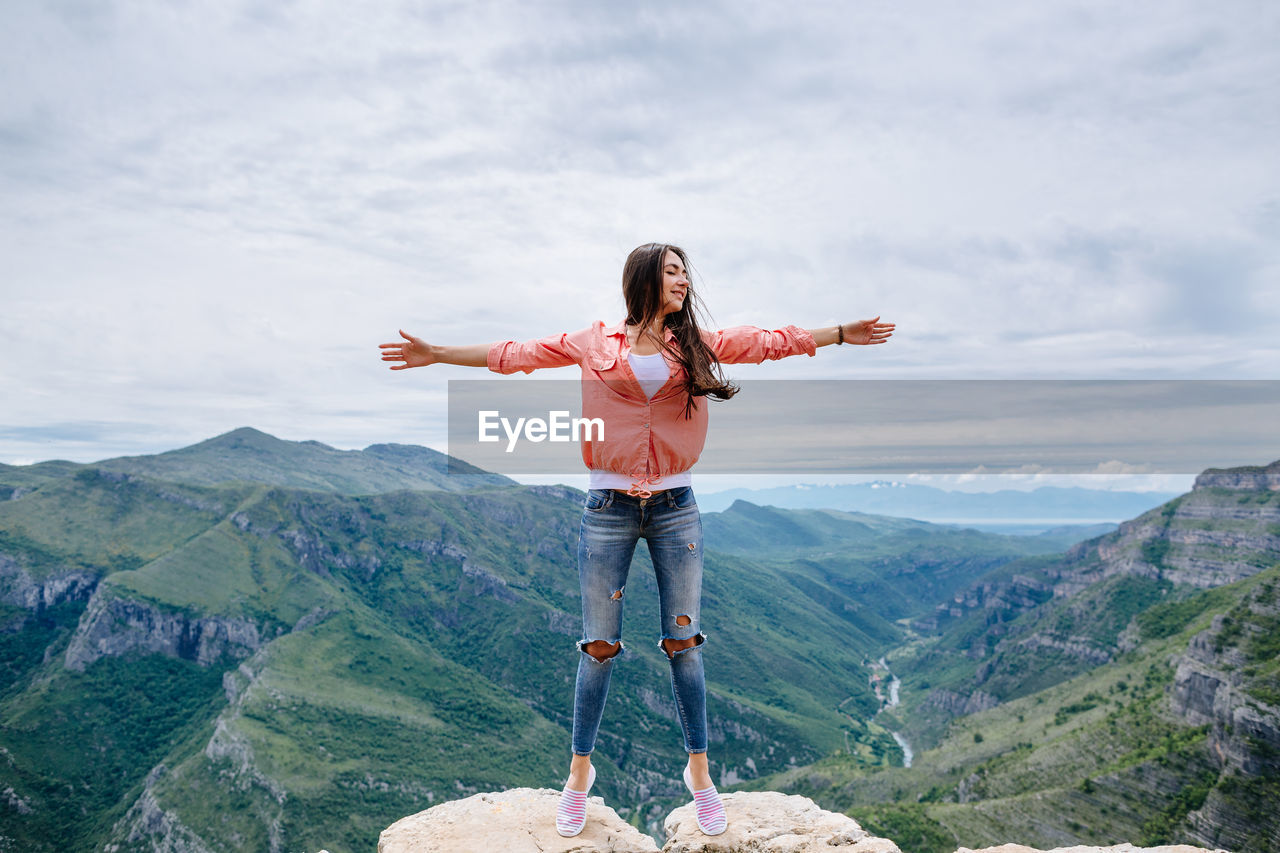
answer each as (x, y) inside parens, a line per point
(748, 344)
(864, 332)
(500, 357)
(415, 352)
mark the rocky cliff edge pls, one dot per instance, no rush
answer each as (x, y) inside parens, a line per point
(522, 820)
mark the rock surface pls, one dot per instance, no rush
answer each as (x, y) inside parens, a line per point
(1217, 685)
(1118, 848)
(1226, 529)
(773, 822)
(1252, 478)
(19, 588)
(522, 820)
(113, 626)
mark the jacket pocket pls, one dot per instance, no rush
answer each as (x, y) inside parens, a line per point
(601, 361)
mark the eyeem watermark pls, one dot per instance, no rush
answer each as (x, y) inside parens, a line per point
(890, 427)
(557, 427)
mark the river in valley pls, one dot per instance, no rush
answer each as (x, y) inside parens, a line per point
(888, 697)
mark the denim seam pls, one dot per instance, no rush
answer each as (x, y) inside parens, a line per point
(684, 718)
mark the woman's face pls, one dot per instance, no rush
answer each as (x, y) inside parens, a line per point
(675, 283)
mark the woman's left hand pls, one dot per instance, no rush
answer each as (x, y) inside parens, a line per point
(868, 331)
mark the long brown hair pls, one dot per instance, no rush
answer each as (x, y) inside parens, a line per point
(642, 288)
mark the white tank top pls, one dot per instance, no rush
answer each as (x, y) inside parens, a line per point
(652, 371)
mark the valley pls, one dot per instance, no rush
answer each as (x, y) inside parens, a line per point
(249, 636)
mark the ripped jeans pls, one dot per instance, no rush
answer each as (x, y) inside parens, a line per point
(612, 522)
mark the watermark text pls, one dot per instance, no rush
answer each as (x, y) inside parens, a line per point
(558, 426)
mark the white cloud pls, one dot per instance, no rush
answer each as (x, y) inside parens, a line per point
(212, 213)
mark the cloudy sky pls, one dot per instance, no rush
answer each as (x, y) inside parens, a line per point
(213, 212)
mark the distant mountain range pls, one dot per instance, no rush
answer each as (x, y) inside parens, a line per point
(1005, 511)
(1126, 690)
(253, 456)
(256, 644)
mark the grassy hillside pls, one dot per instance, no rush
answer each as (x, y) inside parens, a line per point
(1099, 758)
(398, 649)
(284, 646)
(905, 567)
(77, 746)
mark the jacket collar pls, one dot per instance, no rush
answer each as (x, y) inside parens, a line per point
(619, 329)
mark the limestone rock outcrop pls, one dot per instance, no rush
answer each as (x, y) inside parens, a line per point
(774, 822)
(112, 626)
(1218, 684)
(1116, 848)
(519, 820)
(522, 820)
(19, 588)
(1253, 478)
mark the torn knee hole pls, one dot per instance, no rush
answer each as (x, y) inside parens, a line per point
(683, 619)
(672, 647)
(617, 593)
(601, 650)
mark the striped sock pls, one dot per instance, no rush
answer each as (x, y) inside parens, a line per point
(707, 806)
(571, 815)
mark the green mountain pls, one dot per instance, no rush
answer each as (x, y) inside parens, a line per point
(1034, 622)
(240, 660)
(897, 566)
(223, 649)
(1012, 511)
(17, 480)
(253, 456)
(1128, 690)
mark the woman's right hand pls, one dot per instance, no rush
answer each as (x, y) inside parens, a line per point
(414, 352)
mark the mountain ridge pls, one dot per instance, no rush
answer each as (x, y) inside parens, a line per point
(246, 454)
(319, 645)
(1192, 641)
(1018, 511)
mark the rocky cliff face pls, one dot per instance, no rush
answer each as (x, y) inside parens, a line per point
(1252, 478)
(961, 704)
(19, 588)
(1093, 606)
(1227, 680)
(148, 821)
(1226, 529)
(149, 825)
(114, 626)
(522, 820)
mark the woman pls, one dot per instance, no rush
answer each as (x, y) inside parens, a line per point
(646, 378)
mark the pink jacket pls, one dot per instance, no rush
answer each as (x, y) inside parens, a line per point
(645, 439)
